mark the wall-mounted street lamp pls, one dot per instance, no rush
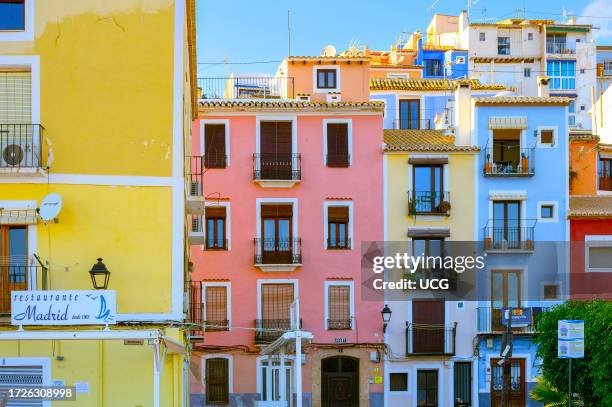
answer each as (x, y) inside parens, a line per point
(386, 316)
(99, 275)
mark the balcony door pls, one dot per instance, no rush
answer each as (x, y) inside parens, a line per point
(277, 234)
(427, 182)
(505, 292)
(276, 150)
(272, 394)
(13, 263)
(516, 370)
(506, 232)
(428, 326)
(605, 174)
(506, 151)
(409, 114)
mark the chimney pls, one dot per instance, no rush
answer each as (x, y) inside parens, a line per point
(543, 88)
(463, 113)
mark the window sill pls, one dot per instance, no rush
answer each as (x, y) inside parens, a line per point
(25, 172)
(277, 268)
(270, 183)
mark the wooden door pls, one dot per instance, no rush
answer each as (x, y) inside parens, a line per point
(428, 326)
(340, 382)
(13, 263)
(276, 150)
(516, 369)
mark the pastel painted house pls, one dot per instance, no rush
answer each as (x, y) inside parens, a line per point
(522, 202)
(430, 188)
(276, 232)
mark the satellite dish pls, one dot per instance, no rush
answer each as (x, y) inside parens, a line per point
(50, 207)
(329, 51)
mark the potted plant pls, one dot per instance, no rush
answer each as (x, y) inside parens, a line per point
(524, 164)
(444, 207)
(488, 243)
(412, 209)
(488, 165)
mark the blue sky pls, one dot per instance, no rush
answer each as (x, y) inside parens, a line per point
(247, 31)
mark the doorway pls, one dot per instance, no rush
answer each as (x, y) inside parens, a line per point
(340, 382)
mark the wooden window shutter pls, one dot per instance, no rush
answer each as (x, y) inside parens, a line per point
(216, 305)
(214, 145)
(338, 213)
(215, 212)
(337, 144)
(217, 381)
(16, 97)
(270, 211)
(338, 302)
(276, 300)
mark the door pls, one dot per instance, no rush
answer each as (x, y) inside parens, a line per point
(272, 394)
(463, 384)
(428, 326)
(506, 151)
(13, 263)
(427, 388)
(276, 151)
(505, 292)
(506, 232)
(516, 370)
(340, 382)
(217, 381)
(277, 244)
(427, 184)
(409, 114)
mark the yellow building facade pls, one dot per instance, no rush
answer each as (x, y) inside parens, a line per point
(96, 107)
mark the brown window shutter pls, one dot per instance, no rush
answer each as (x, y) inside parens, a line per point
(276, 300)
(338, 213)
(215, 212)
(338, 302)
(337, 145)
(426, 232)
(214, 145)
(217, 381)
(276, 211)
(430, 161)
(216, 304)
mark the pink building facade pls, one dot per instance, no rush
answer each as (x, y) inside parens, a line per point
(286, 193)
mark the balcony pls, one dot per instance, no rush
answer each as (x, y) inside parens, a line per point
(278, 254)
(434, 203)
(338, 160)
(506, 238)
(521, 165)
(20, 149)
(20, 274)
(490, 320)
(413, 124)
(605, 182)
(269, 330)
(559, 48)
(197, 314)
(340, 324)
(430, 340)
(195, 234)
(277, 170)
(261, 87)
(194, 173)
(338, 244)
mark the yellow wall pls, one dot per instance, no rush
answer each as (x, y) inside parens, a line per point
(461, 189)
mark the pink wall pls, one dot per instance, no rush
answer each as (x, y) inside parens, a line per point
(362, 182)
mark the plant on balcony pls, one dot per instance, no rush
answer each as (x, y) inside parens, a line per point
(524, 164)
(529, 244)
(444, 207)
(412, 207)
(488, 165)
(488, 243)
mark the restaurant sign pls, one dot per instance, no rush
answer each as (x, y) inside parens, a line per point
(67, 307)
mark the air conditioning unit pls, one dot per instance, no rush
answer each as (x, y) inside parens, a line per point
(304, 97)
(333, 97)
(16, 154)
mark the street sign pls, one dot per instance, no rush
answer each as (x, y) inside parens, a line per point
(521, 317)
(570, 338)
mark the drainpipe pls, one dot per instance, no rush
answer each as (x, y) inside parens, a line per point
(100, 373)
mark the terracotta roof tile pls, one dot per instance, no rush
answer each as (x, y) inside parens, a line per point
(427, 84)
(521, 100)
(422, 140)
(590, 206)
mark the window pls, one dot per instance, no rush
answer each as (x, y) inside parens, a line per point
(433, 247)
(409, 114)
(398, 381)
(571, 117)
(339, 301)
(326, 78)
(433, 67)
(598, 253)
(337, 145)
(13, 263)
(217, 381)
(427, 196)
(12, 15)
(427, 388)
(556, 44)
(530, 36)
(277, 160)
(547, 211)
(547, 137)
(463, 384)
(506, 231)
(482, 36)
(527, 72)
(550, 291)
(215, 228)
(277, 245)
(216, 307)
(214, 146)
(503, 45)
(605, 174)
(18, 142)
(460, 60)
(562, 74)
(582, 71)
(275, 311)
(337, 227)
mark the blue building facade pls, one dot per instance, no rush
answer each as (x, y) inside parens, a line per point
(439, 63)
(522, 201)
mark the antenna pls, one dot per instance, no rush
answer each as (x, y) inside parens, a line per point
(431, 7)
(288, 33)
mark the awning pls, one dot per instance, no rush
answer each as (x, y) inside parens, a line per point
(507, 195)
(174, 347)
(429, 232)
(428, 160)
(500, 123)
(286, 342)
(18, 216)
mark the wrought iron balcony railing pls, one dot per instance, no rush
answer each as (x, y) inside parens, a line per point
(508, 238)
(278, 251)
(261, 87)
(197, 312)
(490, 320)
(20, 146)
(521, 165)
(269, 330)
(194, 172)
(339, 244)
(413, 124)
(559, 48)
(215, 160)
(340, 324)
(20, 273)
(428, 203)
(430, 339)
(277, 166)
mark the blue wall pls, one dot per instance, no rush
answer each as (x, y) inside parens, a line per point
(453, 69)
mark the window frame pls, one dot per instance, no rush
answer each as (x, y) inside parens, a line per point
(555, 131)
(326, 88)
(503, 43)
(527, 72)
(228, 301)
(226, 123)
(596, 241)
(556, 65)
(407, 383)
(350, 226)
(27, 34)
(225, 245)
(349, 123)
(340, 283)
(555, 210)
(409, 102)
(437, 383)
(433, 65)
(482, 36)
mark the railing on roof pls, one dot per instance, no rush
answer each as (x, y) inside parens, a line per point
(413, 124)
(261, 87)
(553, 47)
